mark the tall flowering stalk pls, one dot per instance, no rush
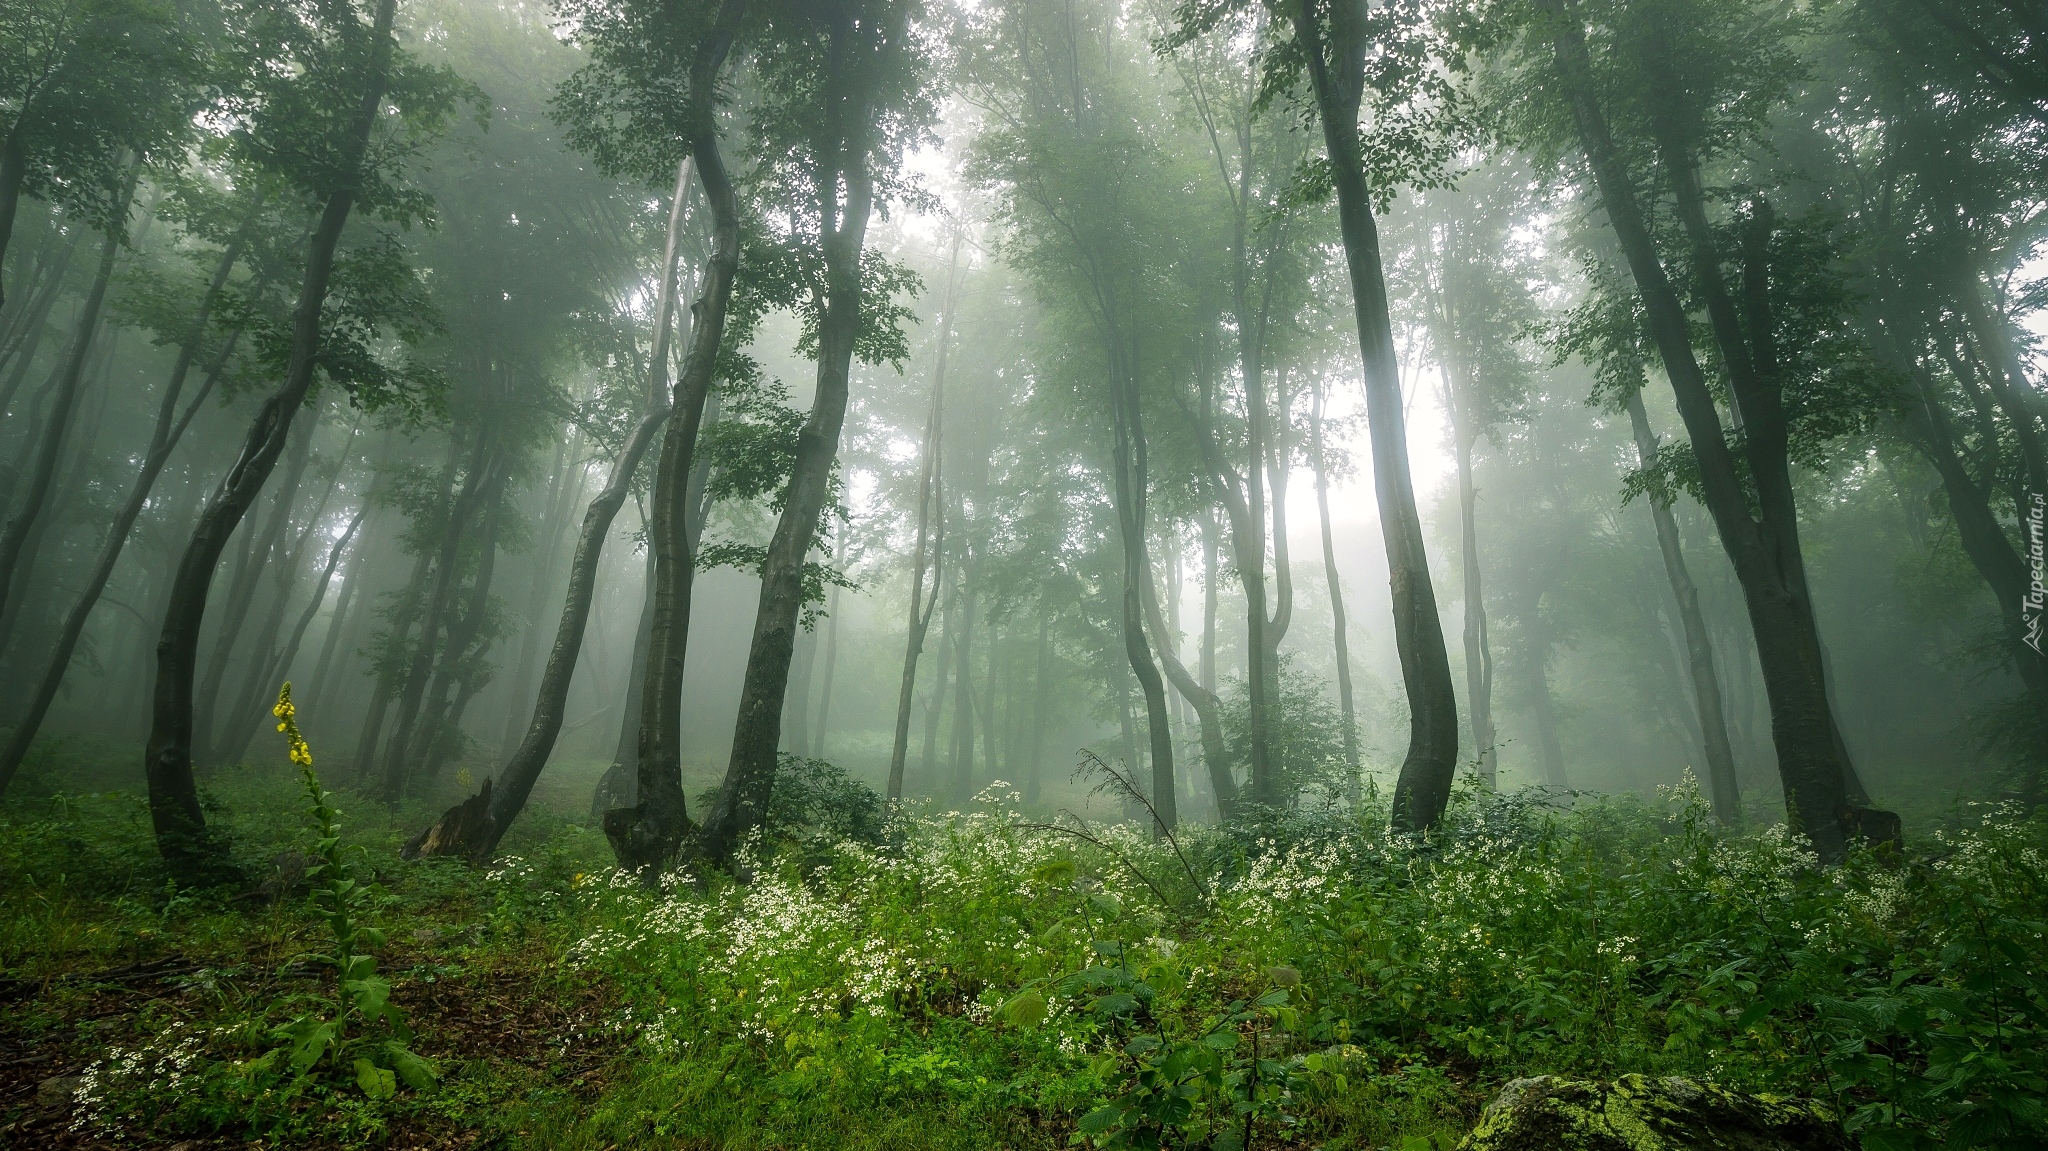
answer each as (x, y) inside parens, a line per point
(365, 996)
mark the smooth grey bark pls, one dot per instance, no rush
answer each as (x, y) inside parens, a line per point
(180, 825)
(1337, 77)
(1724, 789)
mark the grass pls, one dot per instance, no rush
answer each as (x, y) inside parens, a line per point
(984, 980)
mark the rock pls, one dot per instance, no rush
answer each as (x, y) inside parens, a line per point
(1638, 1113)
(56, 1092)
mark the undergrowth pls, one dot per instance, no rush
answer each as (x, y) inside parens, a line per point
(986, 979)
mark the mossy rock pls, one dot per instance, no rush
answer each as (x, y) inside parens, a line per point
(1638, 1113)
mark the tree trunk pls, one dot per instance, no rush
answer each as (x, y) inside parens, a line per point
(935, 705)
(1765, 555)
(13, 170)
(559, 504)
(1723, 788)
(750, 775)
(931, 532)
(33, 322)
(181, 832)
(279, 666)
(14, 553)
(1041, 687)
(646, 836)
(1128, 458)
(831, 667)
(963, 698)
(436, 615)
(1207, 708)
(1339, 629)
(1431, 764)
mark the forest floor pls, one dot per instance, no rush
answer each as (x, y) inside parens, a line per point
(994, 979)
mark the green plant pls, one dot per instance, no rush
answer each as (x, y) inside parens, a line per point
(362, 998)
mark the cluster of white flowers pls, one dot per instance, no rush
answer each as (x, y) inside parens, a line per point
(114, 1089)
(1278, 880)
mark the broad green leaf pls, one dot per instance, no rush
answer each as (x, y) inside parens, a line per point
(376, 1082)
(1025, 1009)
(418, 1072)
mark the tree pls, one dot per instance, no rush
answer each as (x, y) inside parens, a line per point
(313, 127)
(1695, 100)
(846, 90)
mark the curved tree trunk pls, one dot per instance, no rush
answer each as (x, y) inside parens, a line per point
(647, 835)
(1337, 77)
(1339, 627)
(181, 832)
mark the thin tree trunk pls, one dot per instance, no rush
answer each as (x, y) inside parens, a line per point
(180, 825)
(1723, 787)
(931, 533)
(1339, 629)
(280, 665)
(1430, 766)
(28, 507)
(552, 523)
(264, 551)
(13, 171)
(935, 706)
(1207, 708)
(34, 321)
(440, 602)
(963, 699)
(1041, 686)
(831, 668)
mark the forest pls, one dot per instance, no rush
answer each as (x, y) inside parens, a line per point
(1425, 575)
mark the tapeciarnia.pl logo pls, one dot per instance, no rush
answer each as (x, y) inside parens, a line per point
(2037, 559)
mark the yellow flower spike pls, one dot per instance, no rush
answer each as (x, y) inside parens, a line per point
(288, 715)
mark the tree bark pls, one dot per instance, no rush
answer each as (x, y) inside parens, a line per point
(1431, 763)
(750, 775)
(181, 832)
(1207, 708)
(1722, 785)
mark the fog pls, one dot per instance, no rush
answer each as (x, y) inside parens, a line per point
(1104, 329)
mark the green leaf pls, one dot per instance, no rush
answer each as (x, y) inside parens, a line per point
(1273, 998)
(1220, 1040)
(376, 1082)
(1054, 873)
(1114, 1003)
(1106, 905)
(309, 1038)
(1103, 1118)
(1026, 1009)
(418, 1072)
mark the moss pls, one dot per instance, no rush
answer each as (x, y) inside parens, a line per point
(1638, 1113)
